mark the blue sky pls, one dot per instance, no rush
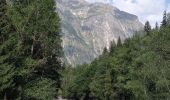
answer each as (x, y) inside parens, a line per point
(150, 10)
(168, 1)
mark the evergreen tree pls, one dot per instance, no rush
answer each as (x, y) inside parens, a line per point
(156, 26)
(33, 53)
(7, 44)
(147, 27)
(105, 51)
(101, 87)
(119, 42)
(164, 21)
(112, 47)
(168, 19)
(5, 23)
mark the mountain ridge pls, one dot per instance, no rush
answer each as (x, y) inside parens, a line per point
(89, 27)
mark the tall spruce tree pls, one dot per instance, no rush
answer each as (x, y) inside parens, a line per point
(147, 27)
(119, 42)
(156, 26)
(36, 50)
(164, 21)
(112, 47)
(105, 51)
(168, 19)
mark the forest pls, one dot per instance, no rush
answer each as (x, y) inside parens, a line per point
(136, 69)
(32, 66)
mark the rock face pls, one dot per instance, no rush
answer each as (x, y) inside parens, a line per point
(88, 28)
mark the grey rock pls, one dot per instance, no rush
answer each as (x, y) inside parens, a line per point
(88, 28)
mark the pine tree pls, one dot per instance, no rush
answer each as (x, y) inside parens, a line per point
(164, 21)
(119, 42)
(33, 53)
(156, 26)
(101, 86)
(147, 27)
(168, 19)
(7, 43)
(105, 51)
(112, 47)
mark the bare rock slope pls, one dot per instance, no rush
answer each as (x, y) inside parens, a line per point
(88, 28)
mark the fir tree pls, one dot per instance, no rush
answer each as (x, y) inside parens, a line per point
(168, 19)
(105, 51)
(147, 27)
(112, 47)
(33, 53)
(164, 21)
(156, 26)
(119, 42)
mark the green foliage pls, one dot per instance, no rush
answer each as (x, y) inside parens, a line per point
(156, 26)
(30, 50)
(168, 19)
(147, 27)
(105, 51)
(136, 70)
(119, 42)
(7, 69)
(112, 47)
(40, 89)
(164, 21)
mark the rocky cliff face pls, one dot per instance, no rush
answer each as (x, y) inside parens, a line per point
(88, 28)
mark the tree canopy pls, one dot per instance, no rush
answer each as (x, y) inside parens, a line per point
(138, 69)
(30, 50)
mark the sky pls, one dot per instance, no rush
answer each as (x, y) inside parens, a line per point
(146, 10)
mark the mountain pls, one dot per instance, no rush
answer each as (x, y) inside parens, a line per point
(89, 27)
